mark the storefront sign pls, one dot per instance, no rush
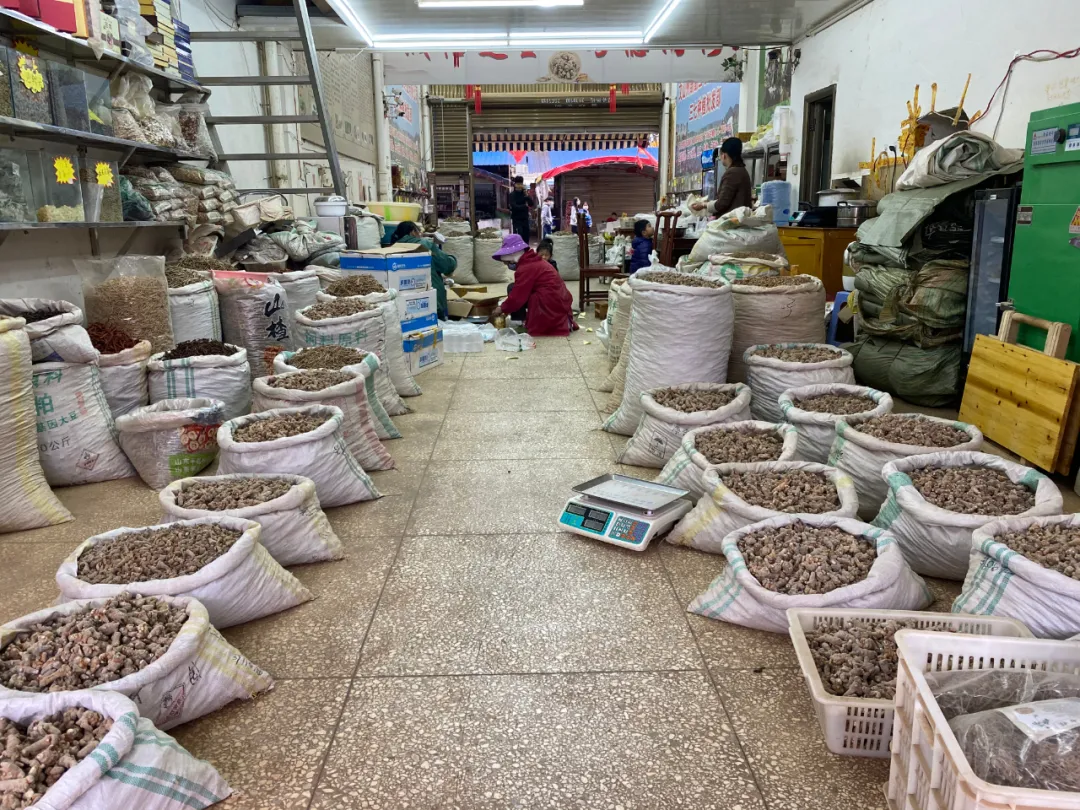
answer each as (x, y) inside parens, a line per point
(705, 114)
(405, 135)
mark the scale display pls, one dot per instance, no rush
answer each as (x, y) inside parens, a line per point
(623, 511)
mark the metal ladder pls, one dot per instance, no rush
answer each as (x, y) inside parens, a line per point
(313, 79)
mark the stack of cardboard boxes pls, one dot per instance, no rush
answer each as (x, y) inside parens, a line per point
(183, 51)
(162, 42)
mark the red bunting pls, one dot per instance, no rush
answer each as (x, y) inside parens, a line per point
(611, 98)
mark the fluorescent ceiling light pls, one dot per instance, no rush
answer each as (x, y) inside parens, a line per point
(345, 11)
(584, 42)
(434, 44)
(597, 35)
(661, 18)
(497, 3)
(442, 36)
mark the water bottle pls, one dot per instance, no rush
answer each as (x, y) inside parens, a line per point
(777, 193)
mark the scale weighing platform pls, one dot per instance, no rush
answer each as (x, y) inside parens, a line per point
(624, 511)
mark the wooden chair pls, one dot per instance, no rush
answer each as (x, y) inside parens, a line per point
(589, 270)
(665, 235)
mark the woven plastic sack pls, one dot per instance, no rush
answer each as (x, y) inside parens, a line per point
(462, 248)
(1003, 582)
(396, 365)
(661, 429)
(790, 314)
(294, 527)
(320, 455)
(195, 312)
(199, 673)
(28, 501)
(226, 378)
(565, 254)
(720, 511)
(171, 439)
(687, 467)
(617, 378)
(243, 584)
(254, 316)
(369, 231)
(719, 237)
(936, 541)
(929, 377)
(59, 339)
(864, 457)
(115, 773)
(620, 325)
(769, 377)
(680, 335)
(301, 287)
(742, 264)
(357, 427)
(123, 378)
(737, 597)
(454, 226)
(817, 431)
(487, 269)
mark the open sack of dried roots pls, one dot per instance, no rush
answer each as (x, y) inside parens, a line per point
(773, 368)
(203, 369)
(217, 560)
(193, 303)
(737, 495)
(294, 527)
(773, 309)
(305, 441)
(730, 443)
(808, 561)
(862, 450)
(93, 750)
(667, 413)
(162, 649)
(54, 329)
(814, 410)
(171, 439)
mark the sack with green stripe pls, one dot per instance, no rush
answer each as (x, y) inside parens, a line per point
(720, 511)
(320, 454)
(937, 541)
(243, 584)
(171, 439)
(226, 378)
(133, 766)
(123, 378)
(1003, 582)
(736, 596)
(817, 430)
(200, 672)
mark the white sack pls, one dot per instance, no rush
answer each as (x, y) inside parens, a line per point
(616, 380)
(720, 239)
(660, 431)
(790, 314)
(396, 363)
(863, 457)
(565, 253)
(935, 541)
(769, 377)
(194, 311)
(680, 335)
(1002, 582)
(720, 511)
(462, 248)
(817, 431)
(114, 775)
(487, 269)
(294, 527)
(369, 231)
(254, 316)
(243, 584)
(123, 378)
(320, 455)
(687, 467)
(743, 264)
(76, 433)
(300, 288)
(737, 597)
(226, 378)
(620, 297)
(59, 339)
(171, 439)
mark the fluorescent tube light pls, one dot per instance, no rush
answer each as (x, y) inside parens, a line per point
(584, 42)
(497, 3)
(435, 44)
(661, 18)
(590, 35)
(443, 36)
(348, 16)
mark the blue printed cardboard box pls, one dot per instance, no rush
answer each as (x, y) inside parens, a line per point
(417, 309)
(401, 267)
(423, 349)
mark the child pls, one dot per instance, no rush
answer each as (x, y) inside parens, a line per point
(545, 250)
(642, 246)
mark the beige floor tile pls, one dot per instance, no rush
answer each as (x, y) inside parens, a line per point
(594, 367)
(385, 517)
(269, 749)
(418, 434)
(404, 479)
(521, 435)
(526, 365)
(438, 392)
(600, 400)
(492, 396)
(525, 603)
(28, 576)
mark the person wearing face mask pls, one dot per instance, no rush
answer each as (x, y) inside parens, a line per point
(736, 187)
(537, 288)
(442, 263)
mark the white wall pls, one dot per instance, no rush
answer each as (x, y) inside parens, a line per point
(877, 55)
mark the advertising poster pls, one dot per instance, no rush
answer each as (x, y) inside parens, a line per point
(705, 114)
(405, 135)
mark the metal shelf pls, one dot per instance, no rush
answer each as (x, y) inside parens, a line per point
(62, 226)
(46, 132)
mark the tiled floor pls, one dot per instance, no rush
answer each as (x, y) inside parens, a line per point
(466, 655)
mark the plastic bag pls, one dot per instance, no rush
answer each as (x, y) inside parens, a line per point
(769, 377)
(59, 338)
(302, 241)
(196, 135)
(136, 207)
(171, 439)
(508, 340)
(817, 430)
(129, 293)
(123, 378)
(225, 378)
(968, 692)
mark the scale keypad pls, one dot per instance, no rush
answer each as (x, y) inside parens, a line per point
(629, 530)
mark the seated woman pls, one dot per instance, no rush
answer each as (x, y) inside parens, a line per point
(538, 288)
(442, 263)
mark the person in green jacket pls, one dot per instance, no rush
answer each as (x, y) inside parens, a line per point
(442, 263)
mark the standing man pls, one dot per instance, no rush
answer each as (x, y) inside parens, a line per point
(547, 218)
(736, 188)
(521, 206)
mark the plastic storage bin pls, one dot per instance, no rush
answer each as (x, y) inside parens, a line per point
(862, 727)
(462, 337)
(67, 92)
(397, 211)
(57, 190)
(99, 175)
(29, 79)
(928, 770)
(98, 103)
(16, 189)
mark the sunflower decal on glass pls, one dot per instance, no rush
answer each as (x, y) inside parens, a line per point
(65, 170)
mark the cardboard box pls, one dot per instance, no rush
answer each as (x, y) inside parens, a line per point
(461, 289)
(418, 310)
(423, 350)
(459, 307)
(473, 304)
(397, 267)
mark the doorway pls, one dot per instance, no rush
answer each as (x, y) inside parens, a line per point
(817, 143)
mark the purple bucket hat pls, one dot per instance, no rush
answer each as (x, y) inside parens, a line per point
(511, 244)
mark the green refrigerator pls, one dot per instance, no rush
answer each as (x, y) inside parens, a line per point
(1045, 277)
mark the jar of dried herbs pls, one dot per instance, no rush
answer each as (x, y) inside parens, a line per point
(57, 190)
(99, 103)
(100, 178)
(30, 88)
(6, 109)
(16, 192)
(68, 95)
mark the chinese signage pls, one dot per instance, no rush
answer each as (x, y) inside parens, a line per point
(405, 135)
(705, 114)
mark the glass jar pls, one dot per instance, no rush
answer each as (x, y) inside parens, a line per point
(68, 96)
(57, 190)
(16, 191)
(99, 103)
(30, 97)
(99, 174)
(6, 109)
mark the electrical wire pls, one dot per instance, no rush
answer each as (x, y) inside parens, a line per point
(1038, 55)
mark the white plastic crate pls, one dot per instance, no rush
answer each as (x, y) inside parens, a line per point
(863, 727)
(929, 770)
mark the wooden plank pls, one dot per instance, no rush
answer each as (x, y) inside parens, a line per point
(1057, 333)
(1072, 428)
(1020, 398)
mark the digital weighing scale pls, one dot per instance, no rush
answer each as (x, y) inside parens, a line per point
(623, 511)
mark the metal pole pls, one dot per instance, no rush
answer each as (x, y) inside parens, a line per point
(384, 187)
(304, 22)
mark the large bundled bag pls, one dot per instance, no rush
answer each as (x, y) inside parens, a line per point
(320, 455)
(195, 312)
(686, 469)
(769, 377)
(817, 430)
(937, 542)
(720, 511)
(930, 377)
(129, 293)
(681, 334)
(743, 264)
(369, 230)
(565, 254)
(226, 378)
(28, 501)
(1021, 583)
(489, 270)
(173, 438)
(736, 596)
(294, 527)
(461, 247)
(863, 457)
(357, 427)
(76, 433)
(197, 675)
(123, 378)
(254, 316)
(793, 313)
(620, 328)
(301, 287)
(740, 230)
(455, 226)
(134, 765)
(58, 338)
(243, 584)
(661, 429)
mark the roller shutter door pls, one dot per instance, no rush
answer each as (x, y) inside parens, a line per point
(611, 190)
(451, 140)
(540, 118)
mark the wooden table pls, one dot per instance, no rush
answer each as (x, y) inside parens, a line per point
(818, 252)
